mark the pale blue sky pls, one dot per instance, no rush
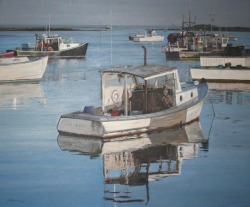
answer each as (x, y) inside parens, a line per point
(124, 12)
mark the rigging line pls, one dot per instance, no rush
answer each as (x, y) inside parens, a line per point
(49, 25)
(100, 44)
(209, 133)
(111, 35)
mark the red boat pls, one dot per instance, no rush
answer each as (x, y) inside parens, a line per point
(8, 54)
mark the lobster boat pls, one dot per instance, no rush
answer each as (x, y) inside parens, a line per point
(52, 46)
(135, 100)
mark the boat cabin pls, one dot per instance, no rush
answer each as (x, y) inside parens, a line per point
(52, 43)
(140, 90)
(205, 42)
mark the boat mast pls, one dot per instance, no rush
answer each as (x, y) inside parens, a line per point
(146, 82)
(187, 25)
(49, 25)
(211, 15)
(126, 95)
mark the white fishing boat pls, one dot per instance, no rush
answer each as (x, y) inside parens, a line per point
(136, 100)
(22, 69)
(226, 73)
(150, 36)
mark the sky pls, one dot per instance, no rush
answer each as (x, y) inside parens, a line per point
(124, 12)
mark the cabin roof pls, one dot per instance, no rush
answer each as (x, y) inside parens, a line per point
(146, 72)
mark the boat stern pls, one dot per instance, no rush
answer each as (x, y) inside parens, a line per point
(71, 124)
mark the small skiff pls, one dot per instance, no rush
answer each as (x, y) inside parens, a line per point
(22, 69)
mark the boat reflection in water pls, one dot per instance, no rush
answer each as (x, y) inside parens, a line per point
(229, 86)
(14, 96)
(229, 93)
(132, 162)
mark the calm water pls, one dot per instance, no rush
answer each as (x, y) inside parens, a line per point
(186, 168)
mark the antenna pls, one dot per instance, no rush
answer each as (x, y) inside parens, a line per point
(100, 43)
(145, 55)
(188, 24)
(111, 35)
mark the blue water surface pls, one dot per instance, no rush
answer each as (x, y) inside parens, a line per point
(35, 170)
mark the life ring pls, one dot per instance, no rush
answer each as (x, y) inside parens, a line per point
(115, 96)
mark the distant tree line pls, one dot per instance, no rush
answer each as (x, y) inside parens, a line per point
(31, 28)
(207, 27)
(204, 27)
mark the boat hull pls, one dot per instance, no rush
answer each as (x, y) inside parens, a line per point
(172, 55)
(149, 39)
(23, 71)
(223, 60)
(195, 55)
(81, 124)
(221, 74)
(72, 124)
(75, 52)
(7, 54)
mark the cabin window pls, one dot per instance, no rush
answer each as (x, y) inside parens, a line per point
(140, 81)
(171, 82)
(192, 94)
(181, 98)
(112, 80)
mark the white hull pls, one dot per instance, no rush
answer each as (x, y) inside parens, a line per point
(221, 74)
(183, 54)
(23, 71)
(80, 124)
(149, 39)
(191, 133)
(11, 60)
(218, 60)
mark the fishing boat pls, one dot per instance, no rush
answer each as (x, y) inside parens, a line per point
(227, 73)
(22, 69)
(191, 45)
(52, 46)
(136, 100)
(175, 44)
(149, 36)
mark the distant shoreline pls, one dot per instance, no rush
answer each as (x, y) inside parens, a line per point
(203, 27)
(37, 28)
